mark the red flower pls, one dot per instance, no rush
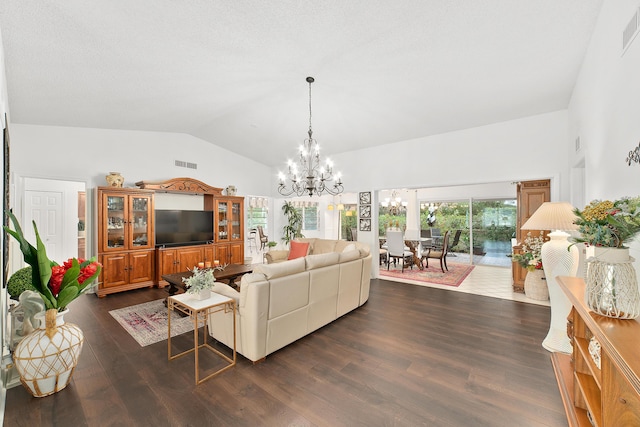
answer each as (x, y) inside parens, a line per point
(57, 274)
(88, 271)
(539, 265)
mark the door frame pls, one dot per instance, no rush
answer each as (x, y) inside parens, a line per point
(19, 185)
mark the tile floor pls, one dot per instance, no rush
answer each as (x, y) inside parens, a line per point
(484, 280)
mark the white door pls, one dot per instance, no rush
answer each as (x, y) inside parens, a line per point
(46, 209)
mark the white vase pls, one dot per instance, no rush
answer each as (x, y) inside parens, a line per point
(46, 358)
(612, 286)
(535, 285)
(203, 294)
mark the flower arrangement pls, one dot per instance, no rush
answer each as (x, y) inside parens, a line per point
(200, 280)
(609, 224)
(58, 285)
(531, 257)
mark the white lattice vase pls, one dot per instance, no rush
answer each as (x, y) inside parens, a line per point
(46, 358)
(535, 285)
(612, 286)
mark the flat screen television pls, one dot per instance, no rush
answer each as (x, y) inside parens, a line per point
(177, 227)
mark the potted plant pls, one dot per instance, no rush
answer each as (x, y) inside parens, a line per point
(609, 224)
(605, 226)
(200, 282)
(535, 286)
(47, 357)
(531, 256)
(293, 229)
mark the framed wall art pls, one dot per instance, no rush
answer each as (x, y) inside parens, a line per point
(365, 211)
(365, 224)
(365, 198)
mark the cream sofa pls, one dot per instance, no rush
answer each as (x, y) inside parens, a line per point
(282, 302)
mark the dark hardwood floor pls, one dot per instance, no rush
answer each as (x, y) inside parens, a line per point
(411, 356)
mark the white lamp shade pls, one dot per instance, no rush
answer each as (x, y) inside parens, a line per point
(552, 216)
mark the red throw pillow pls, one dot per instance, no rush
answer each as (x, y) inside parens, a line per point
(298, 250)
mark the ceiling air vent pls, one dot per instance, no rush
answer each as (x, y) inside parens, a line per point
(630, 32)
(183, 164)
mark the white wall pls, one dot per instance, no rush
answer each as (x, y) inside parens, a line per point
(86, 154)
(517, 150)
(604, 111)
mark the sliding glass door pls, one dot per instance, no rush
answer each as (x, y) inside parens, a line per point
(494, 225)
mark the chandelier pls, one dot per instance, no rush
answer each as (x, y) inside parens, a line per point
(307, 175)
(395, 203)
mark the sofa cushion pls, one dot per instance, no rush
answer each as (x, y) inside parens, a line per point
(298, 249)
(226, 290)
(349, 255)
(310, 240)
(342, 244)
(364, 250)
(273, 271)
(323, 246)
(321, 260)
(349, 247)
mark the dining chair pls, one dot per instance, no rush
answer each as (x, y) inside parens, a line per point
(251, 240)
(263, 237)
(438, 253)
(396, 249)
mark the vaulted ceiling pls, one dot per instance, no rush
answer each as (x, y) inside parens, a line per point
(233, 72)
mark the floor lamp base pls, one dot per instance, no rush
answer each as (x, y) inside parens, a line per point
(557, 341)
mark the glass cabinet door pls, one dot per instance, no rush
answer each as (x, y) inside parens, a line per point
(140, 222)
(116, 221)
(223, 221)
(236, 210)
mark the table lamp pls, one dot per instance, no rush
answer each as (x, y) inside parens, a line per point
(558, 259)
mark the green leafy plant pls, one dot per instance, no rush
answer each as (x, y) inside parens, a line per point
(199, 281)
(19, 282)
(293, 229)
(58, 285)
(609, 224)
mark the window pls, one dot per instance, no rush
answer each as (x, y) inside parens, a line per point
(309, 217)
(257, 213)
(348, 222)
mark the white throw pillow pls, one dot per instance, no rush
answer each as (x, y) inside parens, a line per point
(349, 247)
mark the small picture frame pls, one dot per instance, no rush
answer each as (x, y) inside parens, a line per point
(365, 211)
(365, 198)
(365, 224)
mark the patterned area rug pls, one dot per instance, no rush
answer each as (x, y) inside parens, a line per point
(456, 274)
(147, 323)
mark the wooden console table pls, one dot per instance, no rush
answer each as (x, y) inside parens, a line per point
(230, 274)
(609, 395)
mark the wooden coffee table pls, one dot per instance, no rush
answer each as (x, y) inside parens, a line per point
(230, 273)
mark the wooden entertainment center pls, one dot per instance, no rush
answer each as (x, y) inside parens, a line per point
(603, 396)
(126, 234)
